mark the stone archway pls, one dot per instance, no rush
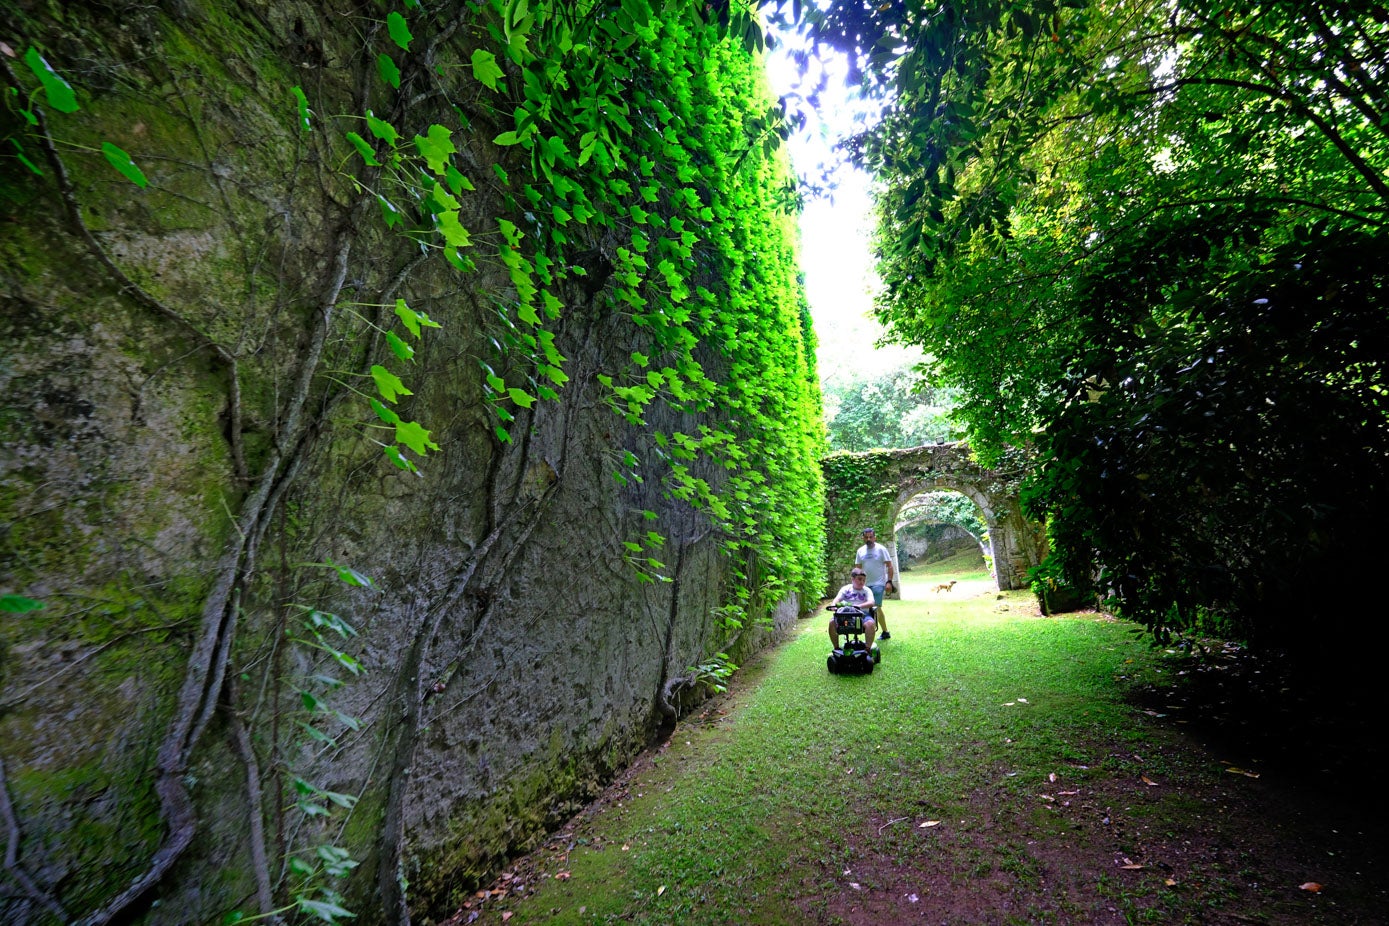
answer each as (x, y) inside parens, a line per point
(870, 489)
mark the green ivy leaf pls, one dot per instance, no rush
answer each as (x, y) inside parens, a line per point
(388, 384)
(398, 347)
(303, 103)
(363, 148)
(455, 235)
(521, 397)
(388, 70)
(412, 319)
(485, 68)
(352, 577)
(506, 139)
(389, 212)
(19, 153)
(18, 604)
(414, 436)
(122, 162)
(398, 459)
(324, 911)
(436, 147)
(399, 29)
(59, 92)
(383, 130)
(384, 413)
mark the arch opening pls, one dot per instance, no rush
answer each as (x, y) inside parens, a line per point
(942, 525)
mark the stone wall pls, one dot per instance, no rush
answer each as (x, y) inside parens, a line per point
(190, 467)
(870, 489)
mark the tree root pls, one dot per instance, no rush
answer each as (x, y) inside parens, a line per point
(12, 841)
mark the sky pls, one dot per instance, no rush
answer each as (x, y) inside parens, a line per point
(836, 232)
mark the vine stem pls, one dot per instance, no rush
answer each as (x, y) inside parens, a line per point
(13, 838)
(206, 665)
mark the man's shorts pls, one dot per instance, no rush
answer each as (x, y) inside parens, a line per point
(878, 593)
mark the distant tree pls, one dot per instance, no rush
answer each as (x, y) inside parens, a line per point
(884, 409)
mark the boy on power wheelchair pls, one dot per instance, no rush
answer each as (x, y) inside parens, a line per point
(853, 618)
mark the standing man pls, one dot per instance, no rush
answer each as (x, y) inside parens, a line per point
(875, 560)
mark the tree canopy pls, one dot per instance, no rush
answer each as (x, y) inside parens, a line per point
(868, 409)
(1140, 238)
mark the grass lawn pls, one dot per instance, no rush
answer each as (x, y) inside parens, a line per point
(998, 767)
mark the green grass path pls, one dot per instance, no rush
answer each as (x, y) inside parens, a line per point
(989, 771)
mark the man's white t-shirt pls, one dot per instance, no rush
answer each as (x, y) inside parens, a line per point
(874, 563)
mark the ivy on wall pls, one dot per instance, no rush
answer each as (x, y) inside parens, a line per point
(643, 123)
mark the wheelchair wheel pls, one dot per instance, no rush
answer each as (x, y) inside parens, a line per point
(832, 663)
(877, 655)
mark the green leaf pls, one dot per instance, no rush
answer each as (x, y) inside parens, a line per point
(18, 604)
(502, 434)
(399, 29)
(412, 319)
(327, 912)
(389, 212)
(303, 102)
(399, 459)
(521, 397)
(552, 304)
(58, 91)
(122, 162)
(455, 235)
(388, 384)
(352, 577)
(485, 68)
(384, 413)
(383, 130)
(507, 138)
(398, 347)
(436, 147)
(363, 148)
(388, 70)
(19, 153)
(413, 435)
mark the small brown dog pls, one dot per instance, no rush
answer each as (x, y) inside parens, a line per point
(946, 586)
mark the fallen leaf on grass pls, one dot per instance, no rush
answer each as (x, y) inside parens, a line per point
(562, 876)
(1170, 882)
(1242, 771)
(1047, 797)
(1130, 865)
(1149, 782)
(928, 823)
(855, 885)
(506, 915)
(660, 890)
(1312, 886)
